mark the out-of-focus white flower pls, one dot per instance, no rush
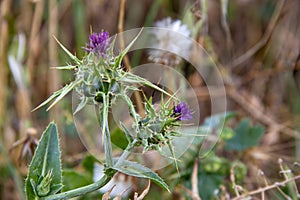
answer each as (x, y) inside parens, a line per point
(123, 184)
(173, 38)
(175, 25)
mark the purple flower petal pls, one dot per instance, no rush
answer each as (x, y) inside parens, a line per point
(98, 43)
(182, 112)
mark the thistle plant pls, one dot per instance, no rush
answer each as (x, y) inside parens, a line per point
(100, 80)
(157, 128)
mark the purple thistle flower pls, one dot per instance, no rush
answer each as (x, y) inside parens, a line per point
(182, 112)
(98, 43)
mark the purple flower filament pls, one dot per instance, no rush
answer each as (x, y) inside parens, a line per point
(98, 43)
(182, 112)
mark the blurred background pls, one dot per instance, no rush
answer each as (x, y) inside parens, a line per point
(255, 44)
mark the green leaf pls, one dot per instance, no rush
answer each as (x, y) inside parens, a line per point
(53, 96)
(45, 165)
(227, 133)
(124, 52)
(73, 179)
(130, 106)
(140, 171)
(216, 165)
(246, 136)
(73, 57)
(121, 137)
(67, 67)
(208, 183)
(88, 164)
(58, 95)
(240, 171)
(290, 188)
(64, 92)
(81, 105)
(132, 78)
(149, 107)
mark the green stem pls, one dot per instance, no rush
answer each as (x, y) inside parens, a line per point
(106, 133)
(105, 130)
(131, 109)
(81, 191)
